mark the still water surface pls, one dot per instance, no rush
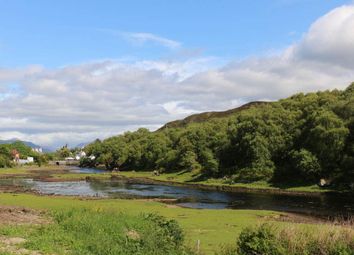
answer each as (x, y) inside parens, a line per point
(322, 205)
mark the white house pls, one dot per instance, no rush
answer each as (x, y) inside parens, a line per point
(26, 161)
(38, 149)
(80, 155)
(69, 159)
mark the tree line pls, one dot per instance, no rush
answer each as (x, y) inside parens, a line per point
(304, 137)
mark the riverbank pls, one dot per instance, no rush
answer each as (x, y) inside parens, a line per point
(193, 179)
(204, 225)
(183, 178)
(213, 184)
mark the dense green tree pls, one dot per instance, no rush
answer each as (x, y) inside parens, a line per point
(326, 138)
(188, 161)
(210, 164)
(63, 152)
(304, 137)
(306, 164)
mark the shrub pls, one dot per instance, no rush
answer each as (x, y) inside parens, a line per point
(170, 228)
(259, 241)
(299, 240)
(4, 162)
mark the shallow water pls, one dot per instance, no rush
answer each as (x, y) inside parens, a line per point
(84, 170)
(324, 205)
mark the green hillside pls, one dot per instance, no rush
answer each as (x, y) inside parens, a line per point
(302, 138)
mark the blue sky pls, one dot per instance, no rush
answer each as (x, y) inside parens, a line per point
(73, 71)
(57, 33)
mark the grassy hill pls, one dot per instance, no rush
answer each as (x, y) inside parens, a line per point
(205, 116)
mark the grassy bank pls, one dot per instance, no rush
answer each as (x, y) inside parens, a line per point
(183, 177)
(78, 222)
(203, 225)
(190, 178)
(212, 228)
(194, 178)
(86, 232)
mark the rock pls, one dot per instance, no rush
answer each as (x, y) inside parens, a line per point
(133, 235)
(351, 185)
(324, 182)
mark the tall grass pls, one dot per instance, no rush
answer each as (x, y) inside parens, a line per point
(268, 239)
(84, 232)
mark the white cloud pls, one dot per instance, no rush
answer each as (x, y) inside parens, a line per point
(142, 38)
(177, 108)
(330, 39)
(79, 103)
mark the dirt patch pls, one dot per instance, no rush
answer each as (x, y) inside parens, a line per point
(20, 216)
(15, 176)
(11, 245)
(172, 206)
(13, 215)
(14, 189)
(53, 179)
(160, 200)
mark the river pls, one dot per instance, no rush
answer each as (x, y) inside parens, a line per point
(319, 205)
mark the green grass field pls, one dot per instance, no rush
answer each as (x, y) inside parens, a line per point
(86, 232)
(211, 227)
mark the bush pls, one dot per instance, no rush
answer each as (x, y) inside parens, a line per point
(268, 240)
(4, 162)
(170, 228)
(260, 241)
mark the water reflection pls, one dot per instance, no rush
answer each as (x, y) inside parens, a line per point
(84, 170)
(327, 204)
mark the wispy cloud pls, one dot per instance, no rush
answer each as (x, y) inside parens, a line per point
(144, 38)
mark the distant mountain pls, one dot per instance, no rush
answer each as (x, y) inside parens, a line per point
(81, 145)
(205, 116)
(30, 144)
